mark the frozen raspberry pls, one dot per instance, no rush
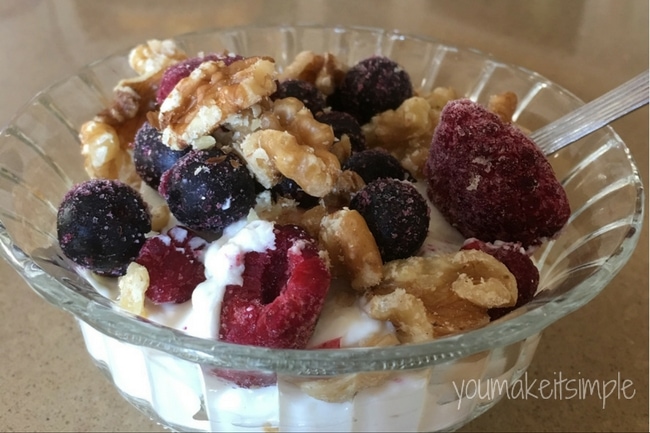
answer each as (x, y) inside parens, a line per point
(490, 180)
(344, 124)
(397, 216)
(180, 70)
(372, 86)
(152, 158)
(377, 163)
(174, 265)
(302, 90)
(282, 294)
(208, 189)
(288, 188)
(518, 262)
(101, 225)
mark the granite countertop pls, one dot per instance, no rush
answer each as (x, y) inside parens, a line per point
(48, 381)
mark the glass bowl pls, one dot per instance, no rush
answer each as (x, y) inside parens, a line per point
(430, 386)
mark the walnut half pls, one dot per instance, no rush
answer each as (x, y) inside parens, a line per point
(205, 99)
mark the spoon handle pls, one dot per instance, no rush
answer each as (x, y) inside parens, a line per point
(593, 115)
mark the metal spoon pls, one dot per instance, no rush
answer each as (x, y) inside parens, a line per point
(593, 115)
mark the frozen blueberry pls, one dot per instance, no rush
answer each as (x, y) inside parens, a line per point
(302, 90)
(372, 86)
(376, 163)
(208, 189)
(152, 158)
(288, 188)
(397, 216)
(343, 123)
(101, 225)
(180, 70)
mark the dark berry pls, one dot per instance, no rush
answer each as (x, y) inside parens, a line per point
(344, 124)
(174, 265)
(280, 299)
(302, 90)
(397, 216)
(151, 157)
(490, 180)
(101, 225)
(514, 257)
(288, 188)
(377, 163)
(208, 189)
(372, 86)
(182, 69)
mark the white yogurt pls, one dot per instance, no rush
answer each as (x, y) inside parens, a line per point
(224, 266)
(210, 403)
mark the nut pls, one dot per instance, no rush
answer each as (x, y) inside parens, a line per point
(133, 286)
(405, 132)
(325, 71)
(104, 155)
(155, 56)
(270, 153)
(212, 92)
(348, 183)
(439, 97)
(297, 119)
(406, 312)
(456, 288)
(471, 274)
(344, 388)
(503, 105)
(106, 138)
(352, 248)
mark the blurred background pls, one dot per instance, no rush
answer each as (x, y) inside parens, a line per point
(47, 380)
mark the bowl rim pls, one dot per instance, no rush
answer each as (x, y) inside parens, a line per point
(129, 328)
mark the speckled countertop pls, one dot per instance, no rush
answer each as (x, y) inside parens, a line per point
(47, 380)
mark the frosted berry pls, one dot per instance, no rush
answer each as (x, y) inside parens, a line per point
(302, 90)
(490, 180)
(279, 301)
(151, 157)
(397, 216)
(101, 225)
(288, 188)
(344, 124)
(282, 294)
(376, 163)
(372, 86)
(173, 260)
(208, 189)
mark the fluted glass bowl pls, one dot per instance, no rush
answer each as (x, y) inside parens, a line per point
(166, 373)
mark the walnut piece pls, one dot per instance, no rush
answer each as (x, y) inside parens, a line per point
(503, 105)
(270, 153)
(406, 312)
(325, 71)
(155, 56)
(105, 156)
(287, 141)
(105, 139)
(406, 131)
(133, 286)
(348, 183)
(456, 288)
(352, 248)
(212, 92)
